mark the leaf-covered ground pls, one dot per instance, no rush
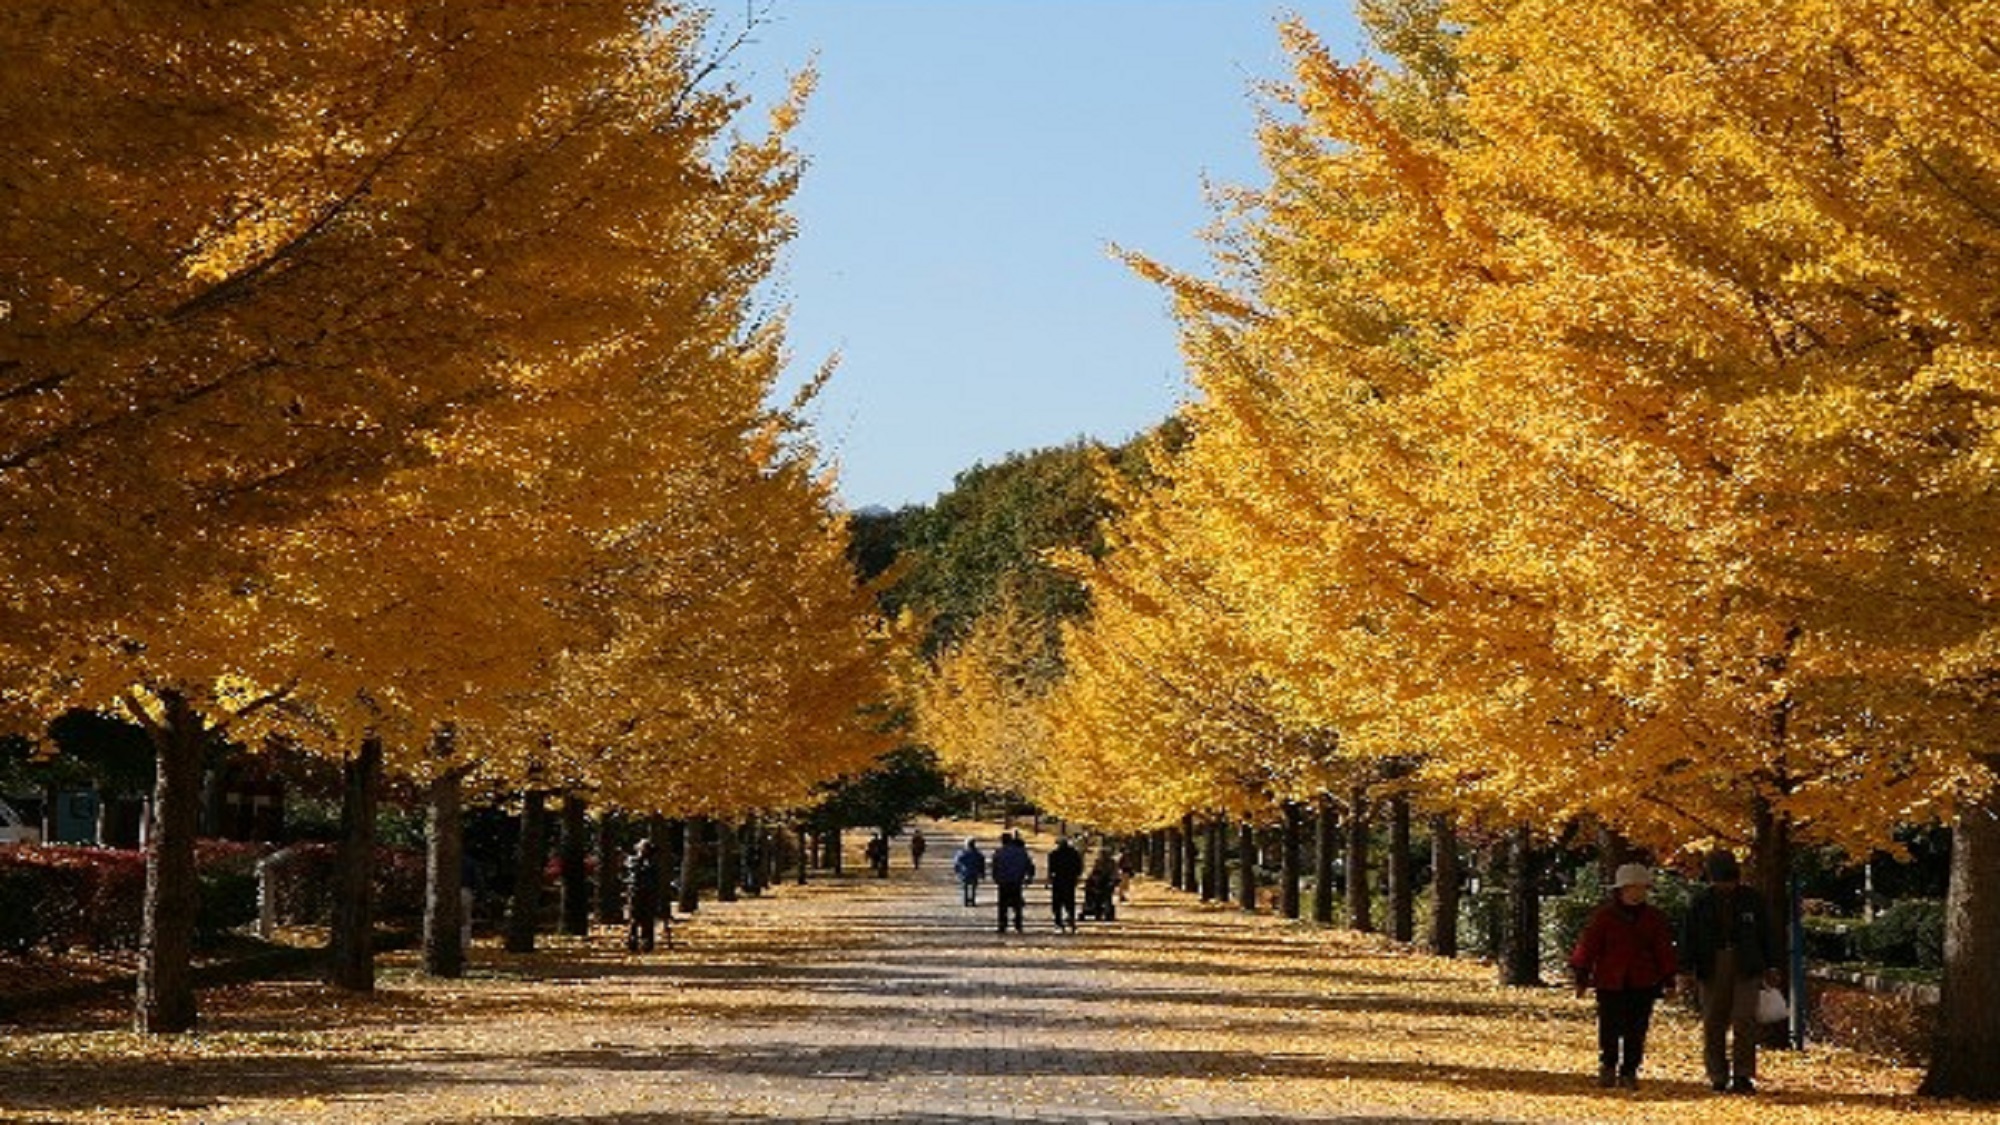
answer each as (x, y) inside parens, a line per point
(870, 1000)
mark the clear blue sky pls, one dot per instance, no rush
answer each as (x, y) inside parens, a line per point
(969, 164)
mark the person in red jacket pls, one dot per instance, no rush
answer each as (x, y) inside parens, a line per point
(1626, 953)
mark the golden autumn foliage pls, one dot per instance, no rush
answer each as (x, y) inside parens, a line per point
(1595, 408)
(371, 374)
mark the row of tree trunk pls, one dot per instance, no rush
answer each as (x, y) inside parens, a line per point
(745, 856)
(1194, 857)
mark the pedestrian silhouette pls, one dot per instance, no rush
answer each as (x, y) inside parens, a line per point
(970, 867)
(1012, 869)
(1065, 869)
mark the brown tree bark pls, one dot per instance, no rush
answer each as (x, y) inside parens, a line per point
(1444, 885)
(1326, 847)
(693, 854)
(1968, 1038)
(1246, 866)
(166, 999)
(1520, 960)
(1359, 917)
(610, 868)
(1191, 855)
(444, 876)
(729, 861)
(1402, 872)
(1289, 874)
(524, 906)
(574, 866)
(351, 939)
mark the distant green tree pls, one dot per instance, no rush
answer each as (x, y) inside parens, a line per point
(904, 784)
(983, 541)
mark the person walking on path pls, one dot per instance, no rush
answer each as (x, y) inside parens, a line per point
(642, 897)
(917, 846)
(877, 854)
(970, 867)
(1727, 941)
(1012, 868)
(1065, 869)
(1626, 953)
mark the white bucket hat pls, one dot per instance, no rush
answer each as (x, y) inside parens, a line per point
(1632, 875)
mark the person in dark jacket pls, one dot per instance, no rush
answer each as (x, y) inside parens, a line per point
(1626, 954)
(1012, 868)
(1726, 941)
(642, 897)
(970, 867)
(1065, 870)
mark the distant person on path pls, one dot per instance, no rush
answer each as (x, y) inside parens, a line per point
(1065, 869)
(877, 853)
(642, 897)
(1103, 889)
(970, 867)
(1626, 953)
(1012, 868)
(917, 846)
(1727, 941)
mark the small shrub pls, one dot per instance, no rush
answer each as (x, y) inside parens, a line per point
(303, 879)
(1892, 1026)
(1829, 940)
(228, 901)
(1910, 933)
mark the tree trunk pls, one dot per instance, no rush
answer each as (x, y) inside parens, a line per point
(1359, 918)
(1968, 1035)
(575, 853)
(1771, 873)
(610, 861)
(1289, 875)
(805, 851)
(1191, 855)
(444, 876)
(166, 1001)
(1246, 866)
(1521, 934)
(1213, 865)
(660, 832)
(524, 906)
(1326, 844)
(1205, 867)
(1402, 872)
(728, 861)
(351, 940)
(1613, 852)
(1156, 853)
(834, 858)
(692, 855)
(1444, 885)
(1173, 858)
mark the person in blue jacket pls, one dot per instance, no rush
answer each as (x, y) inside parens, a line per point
(1012, 869)
(970, 867)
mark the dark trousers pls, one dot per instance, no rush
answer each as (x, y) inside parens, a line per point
(639, 932)
(971, 888)
(1623, 1015)
(1011, 901)
(1062, 902)
(1729, 1021)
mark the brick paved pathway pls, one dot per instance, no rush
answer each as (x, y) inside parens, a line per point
(864, 1000)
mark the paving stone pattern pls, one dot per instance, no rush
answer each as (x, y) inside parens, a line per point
(851, 1000)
